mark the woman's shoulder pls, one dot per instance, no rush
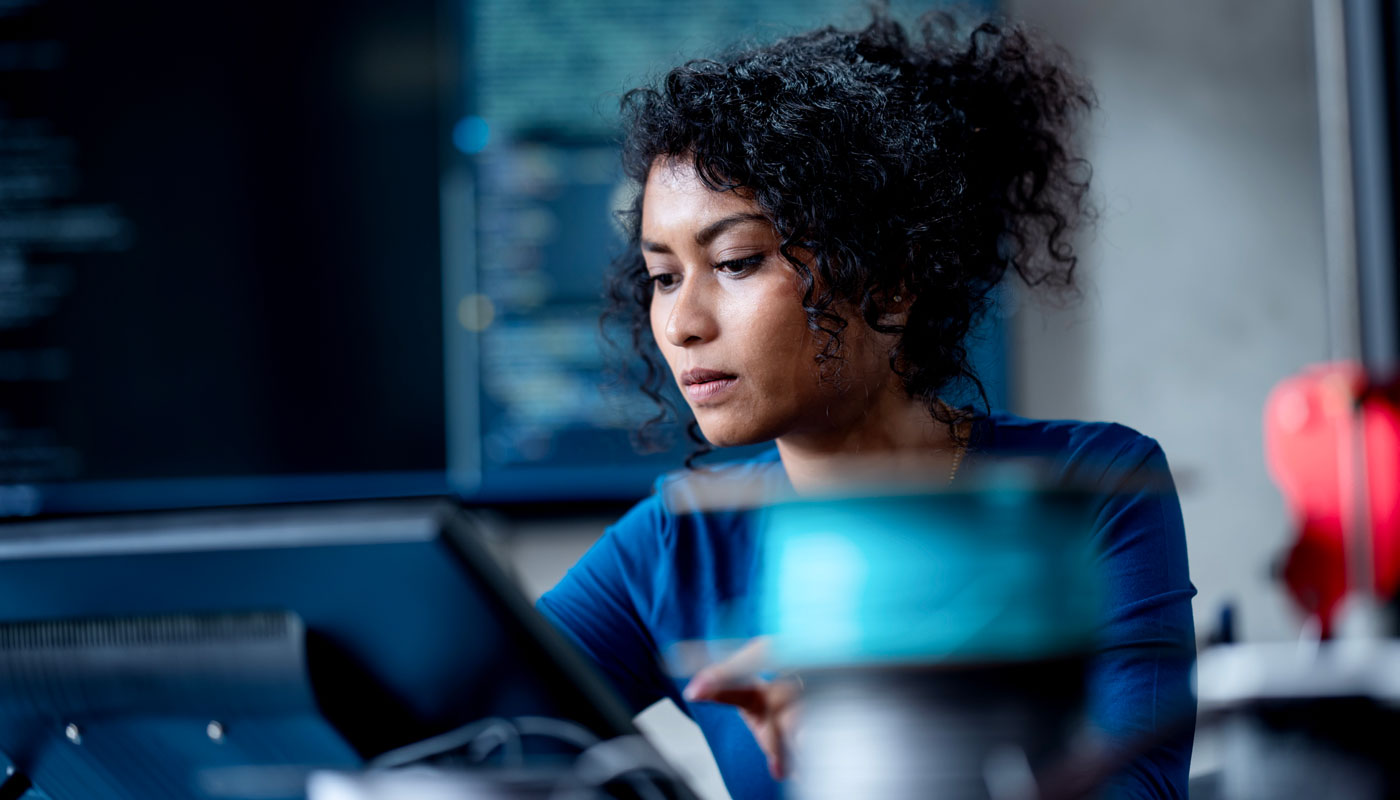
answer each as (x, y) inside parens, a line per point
(1096, 453)
(1002, 432)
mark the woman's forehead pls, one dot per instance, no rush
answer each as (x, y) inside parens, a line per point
(675, 200)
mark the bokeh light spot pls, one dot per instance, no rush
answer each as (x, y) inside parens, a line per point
(471, 134)
(476, 312)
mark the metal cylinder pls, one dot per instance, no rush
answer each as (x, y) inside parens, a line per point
(966, 733)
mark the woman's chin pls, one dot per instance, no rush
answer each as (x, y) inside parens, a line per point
(731, 434)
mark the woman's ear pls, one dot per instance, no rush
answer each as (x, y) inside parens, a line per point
(894, 308)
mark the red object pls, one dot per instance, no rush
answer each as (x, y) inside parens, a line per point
(1314, 424)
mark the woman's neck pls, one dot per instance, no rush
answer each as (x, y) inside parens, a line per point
(894, 438)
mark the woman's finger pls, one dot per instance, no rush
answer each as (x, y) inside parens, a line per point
(752, 699)
(772, 740)
(767, 708)
(740, 670)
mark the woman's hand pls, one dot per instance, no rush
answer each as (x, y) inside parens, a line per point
(769, 708)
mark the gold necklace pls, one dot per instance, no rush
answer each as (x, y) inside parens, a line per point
(960, 451)
(957, 461)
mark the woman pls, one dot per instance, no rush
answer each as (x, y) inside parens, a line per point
(821, 221)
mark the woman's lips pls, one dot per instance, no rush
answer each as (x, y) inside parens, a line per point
(703, 391)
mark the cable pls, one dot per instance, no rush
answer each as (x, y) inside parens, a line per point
(504, 734)
(563, 730)
(454, 739)
(621, 758)
(599, 762)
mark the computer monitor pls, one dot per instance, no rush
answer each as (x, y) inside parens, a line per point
(260, 253)
(220, 654)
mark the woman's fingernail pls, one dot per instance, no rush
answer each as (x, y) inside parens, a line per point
(696, 689)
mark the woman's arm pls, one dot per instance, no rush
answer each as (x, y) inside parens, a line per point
(603, 603)
(1140, 680)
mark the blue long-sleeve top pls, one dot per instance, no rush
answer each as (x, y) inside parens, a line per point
(665, 574)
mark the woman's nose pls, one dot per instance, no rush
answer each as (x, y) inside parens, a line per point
(691, 320)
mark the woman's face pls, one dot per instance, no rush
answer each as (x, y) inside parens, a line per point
(727, 315)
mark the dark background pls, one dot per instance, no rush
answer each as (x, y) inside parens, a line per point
(271, 304)
(243, 246)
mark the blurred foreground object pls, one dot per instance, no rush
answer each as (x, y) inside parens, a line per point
(942, 638)
(229, 654)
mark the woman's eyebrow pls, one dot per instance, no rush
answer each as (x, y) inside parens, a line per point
(708, 233)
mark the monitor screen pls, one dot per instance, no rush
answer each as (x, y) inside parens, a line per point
(228, 653)
(252, 252)
(220, 255)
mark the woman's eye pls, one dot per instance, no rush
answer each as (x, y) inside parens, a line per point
(664, 280)
(740, 266)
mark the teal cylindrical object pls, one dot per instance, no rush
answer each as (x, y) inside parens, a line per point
(969, 577)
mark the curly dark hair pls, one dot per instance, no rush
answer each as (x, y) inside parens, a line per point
(924, 165)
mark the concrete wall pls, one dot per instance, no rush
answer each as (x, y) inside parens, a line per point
(1204, 279)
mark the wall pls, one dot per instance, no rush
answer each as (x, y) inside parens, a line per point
(1204, 279)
